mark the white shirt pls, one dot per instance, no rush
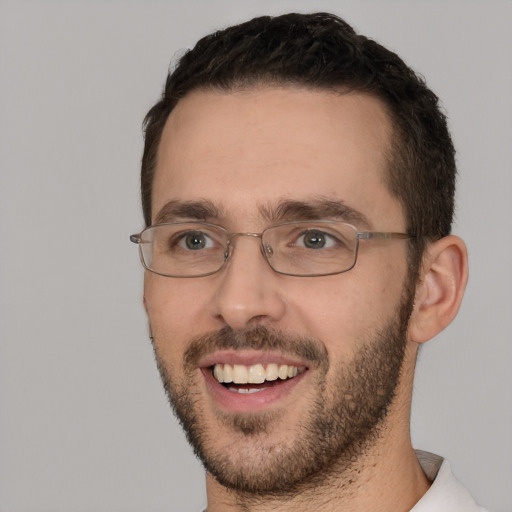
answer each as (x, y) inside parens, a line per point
(446, 494)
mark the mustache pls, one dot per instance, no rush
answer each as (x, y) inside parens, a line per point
(258, 338)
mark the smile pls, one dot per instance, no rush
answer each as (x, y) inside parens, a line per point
(255, 375)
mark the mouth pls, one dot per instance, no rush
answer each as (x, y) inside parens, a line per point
(248, 381)
(253, 378)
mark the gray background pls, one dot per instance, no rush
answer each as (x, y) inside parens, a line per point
(84, 424)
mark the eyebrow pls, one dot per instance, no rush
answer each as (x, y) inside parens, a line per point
(315, 209)
(284, 211)
(175, 210)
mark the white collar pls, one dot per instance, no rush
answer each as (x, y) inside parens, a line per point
(446, 494)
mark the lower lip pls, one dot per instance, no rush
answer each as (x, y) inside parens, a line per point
(232, 401)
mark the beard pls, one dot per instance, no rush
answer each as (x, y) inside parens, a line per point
(339, 423)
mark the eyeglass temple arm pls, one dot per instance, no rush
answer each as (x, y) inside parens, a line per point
(368, 235)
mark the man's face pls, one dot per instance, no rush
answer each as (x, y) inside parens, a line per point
(245, 160)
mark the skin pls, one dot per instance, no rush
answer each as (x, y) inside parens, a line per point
(249, 150)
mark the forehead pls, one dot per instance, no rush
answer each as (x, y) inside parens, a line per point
(248, 150)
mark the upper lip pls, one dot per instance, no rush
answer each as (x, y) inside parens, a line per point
(249, 357)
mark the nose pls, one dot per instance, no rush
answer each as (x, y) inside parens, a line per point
(249, 291)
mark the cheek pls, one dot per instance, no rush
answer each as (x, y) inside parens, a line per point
(173, 306)
(346, 311)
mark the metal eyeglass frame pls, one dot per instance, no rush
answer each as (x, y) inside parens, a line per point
(266, 251)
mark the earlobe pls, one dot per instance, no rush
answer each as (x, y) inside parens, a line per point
(440, 289)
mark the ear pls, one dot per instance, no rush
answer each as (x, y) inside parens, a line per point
(441, 285)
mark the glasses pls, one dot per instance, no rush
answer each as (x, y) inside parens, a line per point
(306, 249)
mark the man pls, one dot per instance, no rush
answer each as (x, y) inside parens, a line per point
(297, 188)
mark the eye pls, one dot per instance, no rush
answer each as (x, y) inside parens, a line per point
(195, 241)
(315, 239)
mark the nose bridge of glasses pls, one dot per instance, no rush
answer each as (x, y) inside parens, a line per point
(264, 250)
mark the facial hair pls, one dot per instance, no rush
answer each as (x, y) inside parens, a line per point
(340, 422)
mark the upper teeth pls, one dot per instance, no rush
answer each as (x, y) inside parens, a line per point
(254, 374)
